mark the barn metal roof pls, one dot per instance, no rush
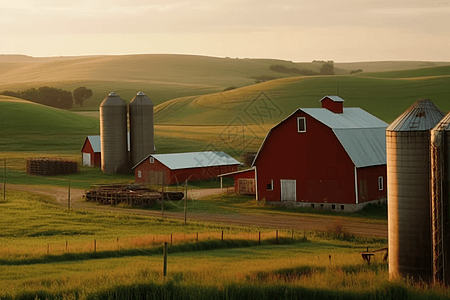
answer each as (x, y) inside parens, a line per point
(352, 117)
(176, 161)
(334, 98)
(422, 115)
(361, 134)
(96, 144)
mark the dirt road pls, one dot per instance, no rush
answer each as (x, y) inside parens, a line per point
(278, 221)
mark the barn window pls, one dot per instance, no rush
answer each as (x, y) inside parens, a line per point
(152, 160)
(380, 183)
(301, 124)
(139, 174)
(312, 205)
(342, 207)
(333, 206)
(270, 186)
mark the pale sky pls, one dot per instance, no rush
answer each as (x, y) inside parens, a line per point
(297, 30)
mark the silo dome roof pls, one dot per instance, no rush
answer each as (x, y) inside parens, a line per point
(422, 115)
(444, 124)
(113, 100)
(141, 99)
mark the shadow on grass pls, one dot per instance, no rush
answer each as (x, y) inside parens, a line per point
(186, 247)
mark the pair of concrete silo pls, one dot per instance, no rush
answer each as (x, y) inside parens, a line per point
(418, 211)
(114, 136)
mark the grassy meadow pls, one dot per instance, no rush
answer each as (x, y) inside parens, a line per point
(128, 261)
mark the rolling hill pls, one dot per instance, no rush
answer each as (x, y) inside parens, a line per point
(162, 77)
(385, 98)
(26, 126)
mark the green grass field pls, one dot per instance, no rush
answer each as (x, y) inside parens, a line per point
(128, 262)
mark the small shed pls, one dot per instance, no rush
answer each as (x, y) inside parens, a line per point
(244, 181)
(175, 168)
(91, 152)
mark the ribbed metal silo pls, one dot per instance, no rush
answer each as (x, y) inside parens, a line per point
(408, 177)
(113, 134)
(141, 128)
(440, 200)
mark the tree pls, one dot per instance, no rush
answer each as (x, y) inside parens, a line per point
(80, 94)
(327, 68)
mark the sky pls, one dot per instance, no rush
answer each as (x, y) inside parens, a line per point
(297, 30)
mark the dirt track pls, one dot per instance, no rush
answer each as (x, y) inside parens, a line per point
(278, 221)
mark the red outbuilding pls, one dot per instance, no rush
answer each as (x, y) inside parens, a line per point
(91, 152)
(330, 158)
(176, 168)
(244, 181)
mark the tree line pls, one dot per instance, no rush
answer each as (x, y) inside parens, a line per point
(53, 96)
(326, 69)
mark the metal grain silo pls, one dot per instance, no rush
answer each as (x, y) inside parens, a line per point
(113, 134)
(141, 128)
(408, 177)
(440, 200)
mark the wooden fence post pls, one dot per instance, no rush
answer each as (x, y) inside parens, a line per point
(222, 235)
(165, 259)
(277, 236)
(197, 237)
(259, 238)
(95, 246)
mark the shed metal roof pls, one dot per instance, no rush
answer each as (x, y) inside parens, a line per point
(176, 161)
(96, 142)
(422, 115)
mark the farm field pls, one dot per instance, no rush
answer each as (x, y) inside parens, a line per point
(48, 252)
(128, 262)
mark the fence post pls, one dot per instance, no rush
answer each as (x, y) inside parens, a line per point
(222, 235)
(4, 181)
(66, 246)
(197, 237)
(48, 249)
(165, 258)
(171, 240)
(68, 197)
(185, 200)
(95, 246)
(292, 234)
(277, 236)
(259, 238)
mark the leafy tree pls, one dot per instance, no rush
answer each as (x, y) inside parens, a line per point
(80, 94)
(327, 68)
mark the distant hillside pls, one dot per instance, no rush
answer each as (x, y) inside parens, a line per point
(161, 77)
(385, 98)
(26, 126)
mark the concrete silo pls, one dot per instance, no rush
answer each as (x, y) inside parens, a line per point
(440, 198)
(408, 177)
(141, 128)
(113, 134)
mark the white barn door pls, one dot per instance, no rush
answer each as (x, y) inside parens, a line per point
(288, 190)
(86, 159)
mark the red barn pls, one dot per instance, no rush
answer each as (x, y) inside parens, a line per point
(175, 168)
(91, 152)
(244, 181)
(330, 157)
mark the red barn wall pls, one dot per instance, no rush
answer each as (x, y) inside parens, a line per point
(95, 157)
(368, 188)
(146, 167)
(315, 159)
(336, 107)
(246, 175)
